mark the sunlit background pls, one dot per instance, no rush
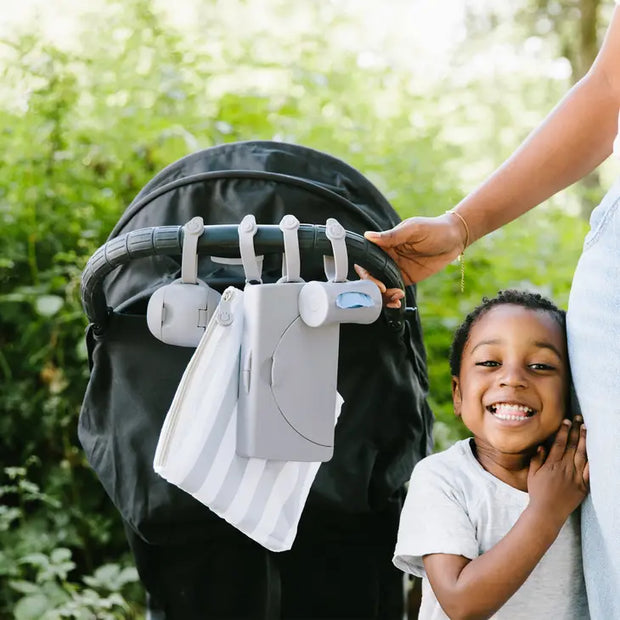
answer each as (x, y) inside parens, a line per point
(424, 97)
(449, 51)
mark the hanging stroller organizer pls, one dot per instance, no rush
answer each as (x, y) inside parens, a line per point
(222, 241)
(150, 291)
(289, 356)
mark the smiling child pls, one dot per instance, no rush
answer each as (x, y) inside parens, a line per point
(491, 523)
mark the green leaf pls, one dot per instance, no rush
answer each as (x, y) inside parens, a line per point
(31, 607)
(48, 305)
(36, 559)
(112, 577)
(60, 555)
(7, 516)
(25, 587)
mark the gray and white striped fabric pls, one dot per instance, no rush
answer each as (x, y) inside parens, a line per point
(196, 451)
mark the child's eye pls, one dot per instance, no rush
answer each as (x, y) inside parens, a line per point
(488, 363)
(541, 367)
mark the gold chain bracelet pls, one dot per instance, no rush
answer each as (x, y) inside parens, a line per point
(461, 256)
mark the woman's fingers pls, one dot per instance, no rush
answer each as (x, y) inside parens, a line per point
(391, 296)
(364, 274)
(395, 236)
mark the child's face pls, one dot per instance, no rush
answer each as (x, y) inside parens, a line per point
(513, 386)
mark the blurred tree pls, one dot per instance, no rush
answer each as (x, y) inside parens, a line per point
(578, 26)
(574, 29)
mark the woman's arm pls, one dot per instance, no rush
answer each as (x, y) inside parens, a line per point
(575, 138)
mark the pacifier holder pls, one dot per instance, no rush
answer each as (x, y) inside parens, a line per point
(178, 313)
(289, 352)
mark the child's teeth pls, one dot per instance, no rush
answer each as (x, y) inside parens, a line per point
(505, 411)
(503, 416)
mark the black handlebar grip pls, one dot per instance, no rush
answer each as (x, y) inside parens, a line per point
(223, 241)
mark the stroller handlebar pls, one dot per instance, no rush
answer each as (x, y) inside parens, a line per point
(223, 241)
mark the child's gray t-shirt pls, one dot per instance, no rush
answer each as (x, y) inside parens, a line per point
(455, 506)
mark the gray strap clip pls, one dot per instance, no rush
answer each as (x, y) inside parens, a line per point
(291, 262)
(336, 266)
(247, 229)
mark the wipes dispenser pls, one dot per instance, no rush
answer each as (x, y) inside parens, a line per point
(289, 353)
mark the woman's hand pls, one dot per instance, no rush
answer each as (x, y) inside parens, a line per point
(422, 246)
(391, 296)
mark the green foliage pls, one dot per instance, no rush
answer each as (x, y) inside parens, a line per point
(42, 579)
(84, 127)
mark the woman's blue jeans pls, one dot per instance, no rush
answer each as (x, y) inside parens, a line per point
(593, 324)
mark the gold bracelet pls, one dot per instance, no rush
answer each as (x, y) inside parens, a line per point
(453, 212)
(462, 254)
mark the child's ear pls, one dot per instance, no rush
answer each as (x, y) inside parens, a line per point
(456, 396)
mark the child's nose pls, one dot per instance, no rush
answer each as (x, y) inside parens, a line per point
(512, 376)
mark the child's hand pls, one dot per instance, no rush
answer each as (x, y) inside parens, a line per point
(559, 481)
(391, 296)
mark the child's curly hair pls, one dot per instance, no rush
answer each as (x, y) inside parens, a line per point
(532, 301)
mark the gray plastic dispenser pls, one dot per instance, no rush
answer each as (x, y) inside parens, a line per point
(288, 367)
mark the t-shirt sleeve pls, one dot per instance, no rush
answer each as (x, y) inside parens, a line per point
(434, 519)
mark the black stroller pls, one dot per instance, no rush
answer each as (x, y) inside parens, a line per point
(192, 563)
